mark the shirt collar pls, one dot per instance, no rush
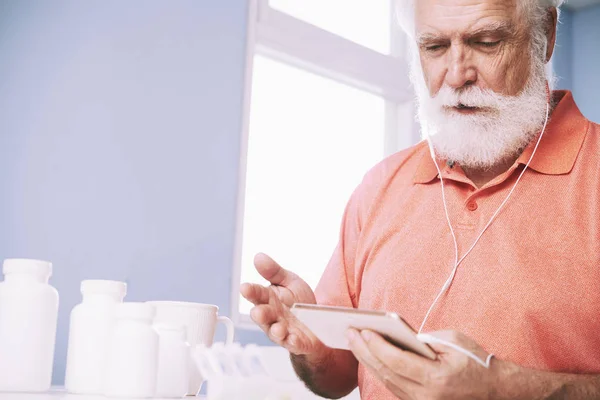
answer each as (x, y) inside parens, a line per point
(558, 149)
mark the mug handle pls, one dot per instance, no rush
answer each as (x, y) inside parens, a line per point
(230, 329)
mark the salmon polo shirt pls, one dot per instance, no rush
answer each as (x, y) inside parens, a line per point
(529, 292)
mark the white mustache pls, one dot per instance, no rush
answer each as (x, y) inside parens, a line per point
(470, 97)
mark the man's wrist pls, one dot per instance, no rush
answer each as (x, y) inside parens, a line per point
(327, 372)
(318, 356)
(504, 375)
(513, 382)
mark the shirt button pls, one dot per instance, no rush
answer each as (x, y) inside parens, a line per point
(472, 206)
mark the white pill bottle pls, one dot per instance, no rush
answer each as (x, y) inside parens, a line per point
(132, 365)
(28, 316)
(90, 330)
(174, 361)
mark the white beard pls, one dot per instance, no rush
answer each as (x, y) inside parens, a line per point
(483, 139)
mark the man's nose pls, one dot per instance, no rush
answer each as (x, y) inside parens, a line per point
(461, 72)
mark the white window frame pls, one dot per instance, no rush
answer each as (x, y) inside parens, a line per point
(284, 38)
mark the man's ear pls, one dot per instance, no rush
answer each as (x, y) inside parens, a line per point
(551, 28)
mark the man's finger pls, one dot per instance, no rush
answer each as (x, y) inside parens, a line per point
(270, 270)
(264, 314)
(404, 363)
(446, 342)
(255, 293)
(398, 384)
(455, 343)
(402, 387)
(361, 351)
(279, 331)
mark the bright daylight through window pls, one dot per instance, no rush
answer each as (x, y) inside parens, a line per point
(325, 94)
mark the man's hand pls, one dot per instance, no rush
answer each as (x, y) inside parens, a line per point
(272, 307)
(409, 376)
(328, 373)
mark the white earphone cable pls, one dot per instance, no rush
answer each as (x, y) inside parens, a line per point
(458, 261)
(427, 338)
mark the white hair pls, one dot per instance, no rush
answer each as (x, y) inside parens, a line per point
(535, 10)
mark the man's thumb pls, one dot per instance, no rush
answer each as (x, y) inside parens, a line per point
(270, 270)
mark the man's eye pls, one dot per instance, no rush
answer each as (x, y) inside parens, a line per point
(434, 47)
(489, 44)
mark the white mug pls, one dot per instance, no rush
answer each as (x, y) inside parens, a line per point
(200, 321)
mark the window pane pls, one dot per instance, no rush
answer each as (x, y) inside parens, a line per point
(311, 142)
(366, 22)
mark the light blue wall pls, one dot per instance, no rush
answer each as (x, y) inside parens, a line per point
(119, 144)
(563, 52)
(577, 58)
(586, 61)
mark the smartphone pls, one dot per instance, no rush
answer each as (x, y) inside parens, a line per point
(330, 324)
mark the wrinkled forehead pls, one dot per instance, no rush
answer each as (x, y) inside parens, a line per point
(451, 17)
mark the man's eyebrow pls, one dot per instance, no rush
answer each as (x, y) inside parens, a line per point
(429, 37)
(493, 28)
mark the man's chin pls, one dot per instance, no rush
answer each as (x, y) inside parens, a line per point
(472, 147)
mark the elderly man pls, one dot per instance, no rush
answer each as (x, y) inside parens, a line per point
(500, 207)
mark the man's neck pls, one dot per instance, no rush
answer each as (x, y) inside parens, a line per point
(480, 177)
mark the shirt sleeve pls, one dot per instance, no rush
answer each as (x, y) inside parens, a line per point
(337, 286)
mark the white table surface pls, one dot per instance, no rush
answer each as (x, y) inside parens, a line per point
(60, 394)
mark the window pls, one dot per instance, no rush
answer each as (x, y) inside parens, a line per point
(327, 98)
(363, 22)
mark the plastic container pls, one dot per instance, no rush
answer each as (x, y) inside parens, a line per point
(200, 321)
(91, 326)
(28, 315)
(174, 361)
(133, 353)
(233, 372)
